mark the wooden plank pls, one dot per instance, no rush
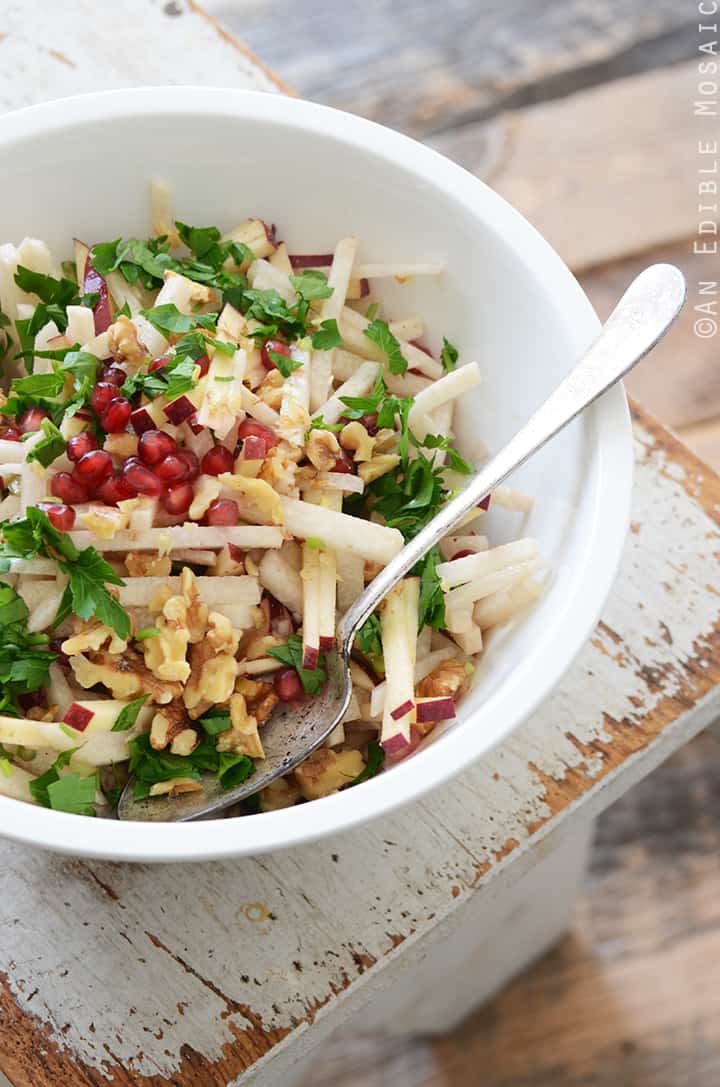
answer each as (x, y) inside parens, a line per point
(247, 951)
(603, 174)
(139, 42)
(630, 997)
(405, 64)
(679, 382)
(704, 440)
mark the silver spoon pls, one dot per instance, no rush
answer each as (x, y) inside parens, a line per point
(641, 318)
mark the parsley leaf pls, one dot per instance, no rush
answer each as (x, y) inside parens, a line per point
(368, 638)
(86, 593)
(441, 441)
(285, 365)
(38, 385)
(60, 292)
(129, 714)
(432, 599)
(150, 766)
(24, 663)
(375, 760)
(313, 680)
(168, 318)
(449, 354)
(39, 786)
(318, 423)
(327, 336)
(311, 285)
(365, 405)
(215, 722)
(200, 240)
(73, 793)
(50, 447)
(380, 334)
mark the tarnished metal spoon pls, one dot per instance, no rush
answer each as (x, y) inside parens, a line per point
(643, 315)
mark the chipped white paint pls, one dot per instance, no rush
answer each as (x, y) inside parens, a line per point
(50, 50)
(126, 965)
(282, 935)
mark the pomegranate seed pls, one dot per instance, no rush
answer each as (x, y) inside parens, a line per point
(217, 460)
(154, 446)
(288, 686)
(116, 415)
(10, 434)
(157, 364)
(462, 554)
(55, 645)
(222, 512)
(93, 468)
(31, 420)
(59, 515)
(369, 421)
(204, 363)
(257, 430)
(344, 464)
(114, 490)
(140, 479)
(172, 469)
(81, 444)
(102, 394)
(28, 701)
(191, 462)
(67, 489)
(114, 375)
(178, 498)
(278, 347)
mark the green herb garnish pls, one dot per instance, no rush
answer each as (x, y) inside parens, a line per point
(449, 355)
(313, 680)
(129, 714)
(380, 334)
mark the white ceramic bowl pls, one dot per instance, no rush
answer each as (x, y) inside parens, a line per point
(80, 167)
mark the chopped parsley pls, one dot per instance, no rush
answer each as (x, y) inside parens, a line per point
(151, 767)
(311, 285)
(215, 721)
(375, 760)
(55, 296)
(369, 638)
(129, 714)
(168, 318)
(285, 365)
(318, 423)
(380, 334)
(24, 657)
(431, 610)
(449, 355)
(71, 793)
(86, 594)
(50, 447)
(327, 336)
(313, 680)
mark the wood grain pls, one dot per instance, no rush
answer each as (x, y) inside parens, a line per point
(247, 951)
(679, 382)
(602, 174)
(425, 70)
(631, 997)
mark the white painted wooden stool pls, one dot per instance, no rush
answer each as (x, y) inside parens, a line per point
(234, 973)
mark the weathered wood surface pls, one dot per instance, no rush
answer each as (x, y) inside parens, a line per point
(631, 998)
(602, 174)
(240, 957)
(48, 51)
(145, 977)
(425, 69)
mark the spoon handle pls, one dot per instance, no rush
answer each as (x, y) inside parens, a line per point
(642, 316)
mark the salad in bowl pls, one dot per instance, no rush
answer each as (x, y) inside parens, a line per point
(208, 446)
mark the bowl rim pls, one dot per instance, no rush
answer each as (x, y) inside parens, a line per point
(610, 456)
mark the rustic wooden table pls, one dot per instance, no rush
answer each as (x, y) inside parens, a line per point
(212, 975)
